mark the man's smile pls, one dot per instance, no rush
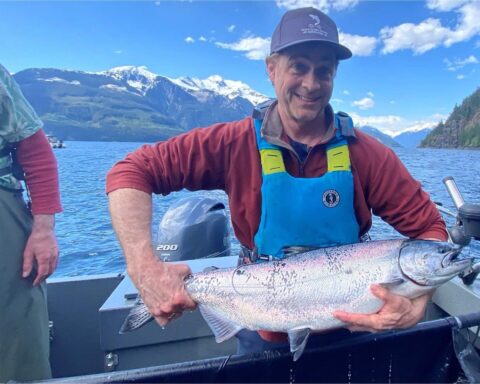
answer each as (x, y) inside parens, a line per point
(308, 99)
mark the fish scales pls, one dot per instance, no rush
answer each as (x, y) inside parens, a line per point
(301, 292)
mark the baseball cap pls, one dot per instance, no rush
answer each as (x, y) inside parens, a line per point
(302, 25)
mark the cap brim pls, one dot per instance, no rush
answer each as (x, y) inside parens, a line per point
(341, 51)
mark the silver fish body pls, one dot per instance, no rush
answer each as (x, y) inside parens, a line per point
(299, 293)
(303, 290)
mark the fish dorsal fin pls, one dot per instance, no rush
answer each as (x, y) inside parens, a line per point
(137, 317)
(210, 269)
(298, 340)
(222, 328)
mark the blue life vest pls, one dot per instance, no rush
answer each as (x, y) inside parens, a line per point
(308, 212)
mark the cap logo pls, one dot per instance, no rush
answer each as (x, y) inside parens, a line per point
(314, 27)
(316, 19)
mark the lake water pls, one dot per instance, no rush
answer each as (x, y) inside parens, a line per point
(88, 244)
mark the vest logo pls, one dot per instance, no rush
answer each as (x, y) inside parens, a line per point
(331, 198)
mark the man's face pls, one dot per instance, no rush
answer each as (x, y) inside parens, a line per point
(303, 79)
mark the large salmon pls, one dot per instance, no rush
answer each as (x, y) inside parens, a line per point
(298, 294)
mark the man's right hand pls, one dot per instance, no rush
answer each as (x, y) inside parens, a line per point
(161, 286)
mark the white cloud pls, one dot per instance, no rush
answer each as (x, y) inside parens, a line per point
(392, 102)
(460, 63)
(336, 101)
(430, 33)
(359, 45)
(231, 28)
(468, 25)
(157, 2)
(189, 40)
(460, 77)
(420, 38)
(385, 123)
(202, 39)
(119, 51)
(445, 5)
(346, 92)
(370, 94)
(418, 125)
(255, 48)
(365, 103)
(323, 5)
(394, 125)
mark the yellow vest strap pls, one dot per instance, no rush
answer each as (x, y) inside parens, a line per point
(338, 158)
(272, 161)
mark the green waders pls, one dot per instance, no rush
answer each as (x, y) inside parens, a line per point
(24, 338)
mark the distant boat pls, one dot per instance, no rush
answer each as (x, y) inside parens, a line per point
(55, 142)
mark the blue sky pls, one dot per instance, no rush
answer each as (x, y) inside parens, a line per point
(413, 60)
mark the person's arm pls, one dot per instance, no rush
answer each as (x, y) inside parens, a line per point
(41, 176)
(196, 160)
(161, 285)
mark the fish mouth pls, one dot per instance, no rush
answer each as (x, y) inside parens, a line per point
(451, 261)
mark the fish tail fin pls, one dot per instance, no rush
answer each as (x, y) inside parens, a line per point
(298, 340)
(136, 318)
(222, 328)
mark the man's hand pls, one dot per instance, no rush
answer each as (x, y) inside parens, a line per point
(41, 249)
(397, 312)
(161, 286)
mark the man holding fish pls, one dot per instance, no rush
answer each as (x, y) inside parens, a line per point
(296, 175)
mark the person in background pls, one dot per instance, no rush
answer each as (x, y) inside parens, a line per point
(28, 247)
(296, 174)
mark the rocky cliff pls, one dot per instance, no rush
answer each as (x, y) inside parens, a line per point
(462, 128)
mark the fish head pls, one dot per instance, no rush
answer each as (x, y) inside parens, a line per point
(431, 263)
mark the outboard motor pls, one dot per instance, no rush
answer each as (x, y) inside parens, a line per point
(466, 227)
(193, 228)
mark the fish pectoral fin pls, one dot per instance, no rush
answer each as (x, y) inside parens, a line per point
(295, 250)
(298, 340)
(393, 283)
(222, 328)
(136, 318)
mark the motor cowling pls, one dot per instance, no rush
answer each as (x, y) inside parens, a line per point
(192, 228)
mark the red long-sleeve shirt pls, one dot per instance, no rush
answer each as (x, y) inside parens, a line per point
(40, 166)
(225, 156)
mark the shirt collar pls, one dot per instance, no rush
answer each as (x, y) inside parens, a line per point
(272, 129)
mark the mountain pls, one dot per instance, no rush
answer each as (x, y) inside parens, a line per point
(380, 136)
(131, 103)
(412, 139)
(462, 128)
(217, 84)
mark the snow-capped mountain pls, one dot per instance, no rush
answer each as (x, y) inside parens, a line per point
(379, 135)
(412, 138)
(139, 78)
(218, 85)
(131, 103)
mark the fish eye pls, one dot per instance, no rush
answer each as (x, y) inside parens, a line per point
(443, 250)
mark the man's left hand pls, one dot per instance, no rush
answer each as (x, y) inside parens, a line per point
(41, 249)
(397, 312)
